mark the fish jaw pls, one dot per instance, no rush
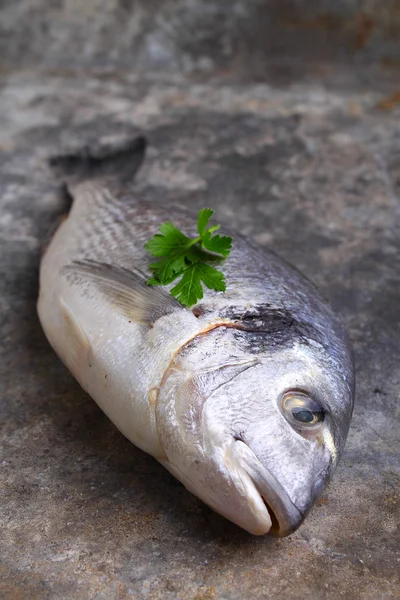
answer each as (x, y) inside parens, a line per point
(240, 489)
(238, 500)
(285, 516)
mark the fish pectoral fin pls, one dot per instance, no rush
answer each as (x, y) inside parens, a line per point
(127, 290)
(79, 348)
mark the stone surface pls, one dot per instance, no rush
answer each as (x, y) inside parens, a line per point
(304, 157)
(244, 40)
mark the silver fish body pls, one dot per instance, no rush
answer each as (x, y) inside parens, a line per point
(246, 398)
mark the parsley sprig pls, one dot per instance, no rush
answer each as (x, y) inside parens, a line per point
(189, 258)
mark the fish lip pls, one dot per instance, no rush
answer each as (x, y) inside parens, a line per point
(284, 514)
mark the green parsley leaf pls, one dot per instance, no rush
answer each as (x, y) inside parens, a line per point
(166, 268)
(217, 244)
(202, 220)
(170, 240)
(180, 256)
(189, 289)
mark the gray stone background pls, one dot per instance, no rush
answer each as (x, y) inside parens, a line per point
(284, 116)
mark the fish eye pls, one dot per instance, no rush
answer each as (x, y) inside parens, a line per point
(302, 411)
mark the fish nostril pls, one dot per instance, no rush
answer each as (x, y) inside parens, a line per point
(198, 311)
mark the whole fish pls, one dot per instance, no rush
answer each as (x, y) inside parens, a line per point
(246, 398)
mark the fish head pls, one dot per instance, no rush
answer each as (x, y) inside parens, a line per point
(256, 429)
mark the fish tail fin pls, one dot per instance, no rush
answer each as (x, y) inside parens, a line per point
(118, 162)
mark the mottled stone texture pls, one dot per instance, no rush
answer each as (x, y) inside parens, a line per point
(283, 116)
(234, 39)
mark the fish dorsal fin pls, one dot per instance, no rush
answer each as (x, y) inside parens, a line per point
(126, 289)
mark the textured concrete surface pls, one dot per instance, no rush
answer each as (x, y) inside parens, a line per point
(243, 40)
(304, 157)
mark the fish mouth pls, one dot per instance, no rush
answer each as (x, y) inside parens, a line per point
(284, 515)
(275, 527)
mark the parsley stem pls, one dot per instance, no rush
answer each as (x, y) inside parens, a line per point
(193, 242)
